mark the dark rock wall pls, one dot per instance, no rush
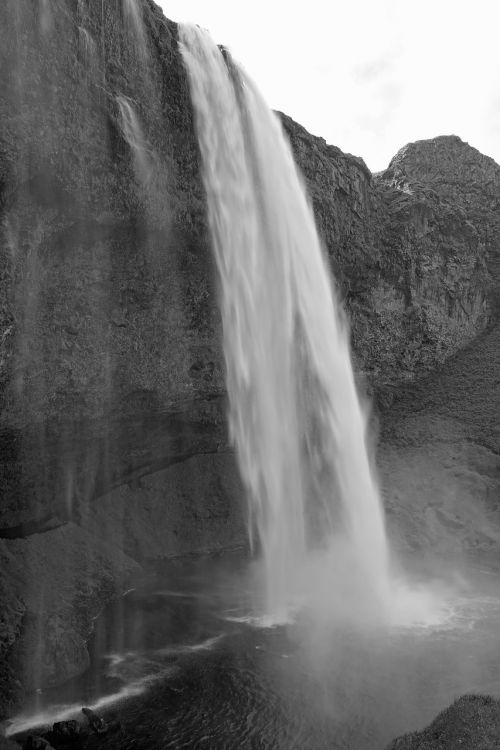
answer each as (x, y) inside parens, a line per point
(111, 377)
(108, 293)
(107, 302)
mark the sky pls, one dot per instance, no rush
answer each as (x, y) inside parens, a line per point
(368, 76)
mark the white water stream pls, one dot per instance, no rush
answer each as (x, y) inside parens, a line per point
(295, 417)
(143, 164)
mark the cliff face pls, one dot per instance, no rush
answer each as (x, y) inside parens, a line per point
(113, 445)
(410, 261)
(440, 457)
(465, 178)
(112, 428)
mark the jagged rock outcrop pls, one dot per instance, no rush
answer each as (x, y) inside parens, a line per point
(113, 446)
(440, 456)
(410, 261)
(463, 177)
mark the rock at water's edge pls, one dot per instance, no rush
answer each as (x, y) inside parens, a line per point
(471, 723)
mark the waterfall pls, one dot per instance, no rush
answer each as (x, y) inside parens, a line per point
(135, 24)
(152, 175)
(45, 16)
(88, 50)
(295, 418)
(135, 138)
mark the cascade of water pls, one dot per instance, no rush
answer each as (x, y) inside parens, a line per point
(152, 176)
(295, 417)
(45, 17)
(133, 19)
(87, 47)
(135, 138)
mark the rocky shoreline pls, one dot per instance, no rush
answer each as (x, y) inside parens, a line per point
(472, 722)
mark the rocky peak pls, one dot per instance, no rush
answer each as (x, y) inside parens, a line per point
(408, 259)
(447, 164)
(462, 176)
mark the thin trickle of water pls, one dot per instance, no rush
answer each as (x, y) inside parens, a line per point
(135, 24)
(134, 136)
(152, 174)
(295, 416)
(87, 48)
(45, 16)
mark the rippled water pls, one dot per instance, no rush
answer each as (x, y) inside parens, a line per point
(183, 661)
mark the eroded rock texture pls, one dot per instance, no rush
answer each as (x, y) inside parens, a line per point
(410, 261)
(113, 445)
(441, 448)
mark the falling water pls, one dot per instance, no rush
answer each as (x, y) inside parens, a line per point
(134, 22)
(135, 138)
(87, 48)
(45, 16)
(295, 416)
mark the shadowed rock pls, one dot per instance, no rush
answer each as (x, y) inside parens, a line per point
(96, 722)
(33, 742)
(65, 731)
(471, 723)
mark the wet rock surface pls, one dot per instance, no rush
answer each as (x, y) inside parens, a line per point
(110, 364)
(65, 731)
(96, 722)
(64, 735)
(113, 445)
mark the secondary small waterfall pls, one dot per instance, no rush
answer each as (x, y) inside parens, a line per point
(135, 138)
(135, 24)
(295, 416)
(45, 16)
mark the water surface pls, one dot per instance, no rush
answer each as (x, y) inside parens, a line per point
(184, 660)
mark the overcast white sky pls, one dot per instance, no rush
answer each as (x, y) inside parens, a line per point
(368, 75)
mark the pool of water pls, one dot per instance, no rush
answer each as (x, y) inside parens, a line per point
(184, 661)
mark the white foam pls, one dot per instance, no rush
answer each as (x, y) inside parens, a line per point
(24, 722)
(262, 620)
(207, 645)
